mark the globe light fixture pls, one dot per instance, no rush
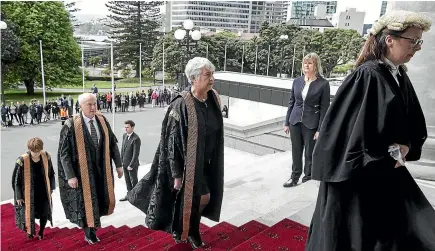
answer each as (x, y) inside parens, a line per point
(3, 25)
(180, 34)
(196, 35)
(283, 37)
(188, 24)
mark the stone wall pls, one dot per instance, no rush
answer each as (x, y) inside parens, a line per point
(421, 68)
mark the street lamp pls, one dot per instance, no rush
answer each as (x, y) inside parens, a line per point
(3, 26)
(283, 38)
(184, 34)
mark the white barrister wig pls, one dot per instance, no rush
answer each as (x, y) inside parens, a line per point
(399, 21)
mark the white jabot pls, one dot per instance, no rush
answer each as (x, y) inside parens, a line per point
(88, 125)
(393, 69)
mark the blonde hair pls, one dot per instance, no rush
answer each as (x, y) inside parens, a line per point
(35, 144)
(318, 71)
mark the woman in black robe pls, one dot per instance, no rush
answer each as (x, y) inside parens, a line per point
(367, 200)
(33, 183)
(186, 177)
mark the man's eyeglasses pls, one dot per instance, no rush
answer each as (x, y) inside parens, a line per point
(415, 41)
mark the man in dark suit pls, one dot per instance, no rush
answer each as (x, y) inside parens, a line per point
(130, 155)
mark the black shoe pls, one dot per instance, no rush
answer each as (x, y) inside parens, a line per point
(305, 179)
(40, 236)
(290, 183)
(176, 236)
(30, 236)
(123, 199)
(90, 241)
(195, 242)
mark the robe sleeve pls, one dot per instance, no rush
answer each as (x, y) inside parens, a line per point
(174, 133)
(418, 130)
(291, 103)
(17, 178)
(354, 133)
(66, 150)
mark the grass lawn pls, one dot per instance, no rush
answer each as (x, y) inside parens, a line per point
(20, 95)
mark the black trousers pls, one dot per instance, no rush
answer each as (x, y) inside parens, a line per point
(302, 139)
(130, 177)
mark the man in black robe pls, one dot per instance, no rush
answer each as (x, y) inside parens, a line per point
(87, 147)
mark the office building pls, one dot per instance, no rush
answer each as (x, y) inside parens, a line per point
(351, 19)
(383, 8)
(306, 9)
(235, 16)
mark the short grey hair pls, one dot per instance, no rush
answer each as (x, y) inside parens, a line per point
(318, 71)
(86, 96)
(194, 66)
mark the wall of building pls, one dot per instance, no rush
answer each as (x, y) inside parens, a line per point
(305, 9)
(421, 67)
(236, 16)
(351, 20)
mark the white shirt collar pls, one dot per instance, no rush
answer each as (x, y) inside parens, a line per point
(128, 135)
(393, 68)
(88, 119)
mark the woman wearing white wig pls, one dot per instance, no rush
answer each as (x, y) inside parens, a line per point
(186, 177)
(367, 198)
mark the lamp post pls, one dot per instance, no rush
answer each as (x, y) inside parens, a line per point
(283, 38)
(184, 36)
(3, 26)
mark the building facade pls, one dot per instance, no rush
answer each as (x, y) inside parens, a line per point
(306, 9)
(383, 8)
(351, 19)
(235, 16)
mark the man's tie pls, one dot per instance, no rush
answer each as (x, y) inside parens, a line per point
(93, 132)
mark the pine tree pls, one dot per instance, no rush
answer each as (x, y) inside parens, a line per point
(131, 23)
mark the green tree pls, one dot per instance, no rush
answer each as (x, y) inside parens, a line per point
(50, 23)
(134, 22)
(94, 60)
(336, 47)
(10, 45)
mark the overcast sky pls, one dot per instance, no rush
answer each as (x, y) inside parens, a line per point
(371, 7)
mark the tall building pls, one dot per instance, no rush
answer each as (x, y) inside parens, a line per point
(383, 8)
(351, 20)
(306, 9)
(236, 16)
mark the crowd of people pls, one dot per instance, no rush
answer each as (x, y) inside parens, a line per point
(356, 147)
(35, 113)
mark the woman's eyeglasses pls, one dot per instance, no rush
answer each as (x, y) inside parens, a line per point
(415, 41)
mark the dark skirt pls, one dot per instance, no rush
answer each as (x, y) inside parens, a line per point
(383, 213)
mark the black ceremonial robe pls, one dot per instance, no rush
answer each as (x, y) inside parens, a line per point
(181, 154)
(94, 196)
(364, 203)
(34, 186)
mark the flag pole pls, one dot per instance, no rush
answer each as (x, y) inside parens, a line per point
(268, 61)
(113, 86)
(256, 59)
(83, 68)
(140, 67)
(42, 71)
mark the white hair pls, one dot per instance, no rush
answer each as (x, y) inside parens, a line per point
(194, 66)
(86, 96)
